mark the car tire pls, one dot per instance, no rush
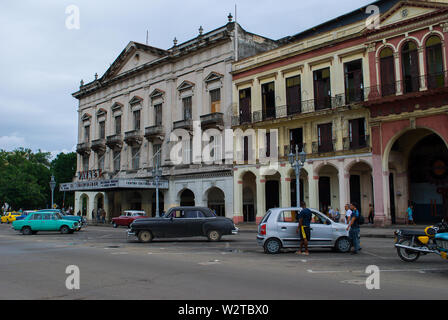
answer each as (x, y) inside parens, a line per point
(214, 235)
(115, 225)
(65, 230)
(272, 246)
(145, 236)
(26, 231)
(343, 245)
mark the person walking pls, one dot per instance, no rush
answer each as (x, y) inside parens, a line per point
(103, 215)
(304, 219)
(410, 213)
(337, 216)
(353, 228)
(371, 214)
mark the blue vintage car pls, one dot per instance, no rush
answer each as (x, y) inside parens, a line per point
(81, 221)
(25, 214)
(442, 244)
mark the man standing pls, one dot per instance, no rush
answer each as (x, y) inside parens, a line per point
(304, 218)
(353, 228)
(348, 214)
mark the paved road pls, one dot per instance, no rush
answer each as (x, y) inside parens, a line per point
(112, 267)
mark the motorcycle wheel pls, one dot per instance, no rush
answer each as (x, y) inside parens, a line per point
(405, 254)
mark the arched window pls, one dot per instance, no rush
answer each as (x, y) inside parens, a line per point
(387, 69)
(434, 62)
(409, 59)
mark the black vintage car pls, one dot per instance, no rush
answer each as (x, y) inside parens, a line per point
(183, 222)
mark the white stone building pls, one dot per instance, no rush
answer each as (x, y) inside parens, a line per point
(127, 116)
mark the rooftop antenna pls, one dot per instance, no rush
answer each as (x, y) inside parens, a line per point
(147, 37)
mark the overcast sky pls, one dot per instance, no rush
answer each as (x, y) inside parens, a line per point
(42, 62)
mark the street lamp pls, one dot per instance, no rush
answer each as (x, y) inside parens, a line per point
(297, 161)
(157, 173)
(52, 186)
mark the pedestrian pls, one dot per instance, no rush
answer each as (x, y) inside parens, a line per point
(410, 213)
(103, 214)
(93, 214)
(304, 219)
(348, 214)
(330, 212)
(98, 215)
(353, 228)
(371, 214)
(337, 215)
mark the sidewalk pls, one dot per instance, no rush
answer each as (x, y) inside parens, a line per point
(367, 231)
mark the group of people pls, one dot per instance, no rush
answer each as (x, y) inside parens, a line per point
(100, 215)
(353, 226)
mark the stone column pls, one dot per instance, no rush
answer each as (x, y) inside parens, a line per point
(313, 192)
(381, 191)
(285, 190)
(237, 199)
(398, 79)
(344, 188)
(261, 198)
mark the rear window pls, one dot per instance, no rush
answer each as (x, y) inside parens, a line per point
(266, 216)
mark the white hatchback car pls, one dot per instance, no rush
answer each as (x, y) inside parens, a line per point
(278, 230)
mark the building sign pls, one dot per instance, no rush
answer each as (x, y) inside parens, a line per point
(90, 175)
(111, 184)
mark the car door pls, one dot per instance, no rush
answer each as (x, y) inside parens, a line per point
(46, 222)
(195, 221)
(177, 226)
(321, 230)
(36, 222)
(287, 228)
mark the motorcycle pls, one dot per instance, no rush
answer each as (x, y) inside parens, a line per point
(442, 245)
(411, 244)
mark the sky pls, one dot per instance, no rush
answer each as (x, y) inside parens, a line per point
(42, 61)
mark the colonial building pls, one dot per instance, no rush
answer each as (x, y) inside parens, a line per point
(126, 118)
(365, 97)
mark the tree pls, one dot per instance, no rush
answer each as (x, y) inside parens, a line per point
(24, 178)
(63, 168)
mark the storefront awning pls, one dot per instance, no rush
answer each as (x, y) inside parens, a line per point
(112, 184)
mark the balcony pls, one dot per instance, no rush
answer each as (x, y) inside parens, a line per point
(212, 120)
(83, 148)
(115, 141)
(99, 146)
(183, 124)
(134, 137)
(325, 147)
(408, 85)
(155, 132)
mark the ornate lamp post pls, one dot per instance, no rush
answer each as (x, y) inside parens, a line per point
(157, 173)
(297, 161)
(52, 186)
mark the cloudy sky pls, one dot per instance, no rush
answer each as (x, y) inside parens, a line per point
(42, 61)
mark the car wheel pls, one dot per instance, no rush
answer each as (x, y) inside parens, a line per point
(115, 225)
(65, 230)
(145, 236)
(26, 231)
(214, 235)
(343, 245)
(272, 246)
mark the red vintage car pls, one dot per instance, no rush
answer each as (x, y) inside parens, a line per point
(127, 218)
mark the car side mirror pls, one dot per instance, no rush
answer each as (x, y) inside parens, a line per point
(172, 218)
(328, 222)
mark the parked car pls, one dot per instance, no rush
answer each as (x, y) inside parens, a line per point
(10, 217)
(81, 221)
(44, 221)
(278, 229)
(127, 218)
(25, 214)
(183, 222)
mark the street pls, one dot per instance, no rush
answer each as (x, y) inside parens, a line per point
(112, 267)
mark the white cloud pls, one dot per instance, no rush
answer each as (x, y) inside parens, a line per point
(12, 142)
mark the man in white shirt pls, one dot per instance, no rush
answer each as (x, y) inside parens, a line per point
(348, 214)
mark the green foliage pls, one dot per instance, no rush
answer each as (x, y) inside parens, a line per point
(64, 169)
(25, 177)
